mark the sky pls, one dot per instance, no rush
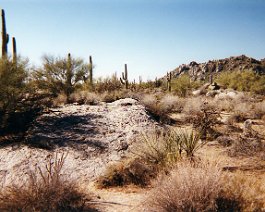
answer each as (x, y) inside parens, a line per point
(151, 36)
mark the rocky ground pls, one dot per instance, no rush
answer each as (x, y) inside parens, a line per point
(91, 136)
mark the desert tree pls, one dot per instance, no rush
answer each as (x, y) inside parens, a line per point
(60, 75)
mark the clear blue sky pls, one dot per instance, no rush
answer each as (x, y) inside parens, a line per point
(152, 36)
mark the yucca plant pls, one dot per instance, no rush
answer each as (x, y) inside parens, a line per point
(158, 147)
(189, 142)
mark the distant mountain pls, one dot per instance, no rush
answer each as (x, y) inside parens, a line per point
(200, 71)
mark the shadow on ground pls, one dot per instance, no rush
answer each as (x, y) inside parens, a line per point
(75, 131)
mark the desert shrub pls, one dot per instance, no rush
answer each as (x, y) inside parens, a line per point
(171, 103)
(17, 109)
(158, 151)
(60, 100)
(13, 83)
(189, 142)
(203, 117)
(163, 148)
(111, 96)
(193, 105)
(183, 84)
(205, 187)
(259, 109)
(187, 188)
(126, 173)
(244, 146)
(107, 84)
(242, 81)
(160, 109)
(150, 85)
(241, 112)
(85, 97)
(221, 104)
(45, 191)
(241, 193)
(60, 75)
(159, 147)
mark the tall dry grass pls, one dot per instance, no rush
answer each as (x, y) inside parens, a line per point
(187, 188)
(46, 190)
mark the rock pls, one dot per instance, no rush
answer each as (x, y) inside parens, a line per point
(197, 92)
(202, 90)
(214, 87)
(90, 135)
(202, 70)
(212, 93)
(228, 94)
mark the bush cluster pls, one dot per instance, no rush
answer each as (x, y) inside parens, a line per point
(248, 81)
(46, 190)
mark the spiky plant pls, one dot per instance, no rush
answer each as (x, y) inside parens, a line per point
(189, 141)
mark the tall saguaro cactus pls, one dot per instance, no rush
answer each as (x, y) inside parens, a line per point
(14, 45)
(124, 79)
(69, 76)
(169, 78)
(90, 72)
(5, 36)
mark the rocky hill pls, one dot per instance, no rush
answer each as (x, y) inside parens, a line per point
(200, 71)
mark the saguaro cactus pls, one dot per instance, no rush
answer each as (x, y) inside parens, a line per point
(124, 79)
(14, 49)
(69, 76)
(157, 82)
(5, 36)
(169, 78)
(90, 71)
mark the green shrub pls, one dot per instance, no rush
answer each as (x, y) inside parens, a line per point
(108, 84)
(247, 81)
(12, 81)
(160, 148)
(60, 75)
(163, 148)
(189, 142)
(183, 84)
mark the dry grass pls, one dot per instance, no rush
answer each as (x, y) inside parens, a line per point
(259, 109)
(247, 147)
(85, 97)
(125, 173)
(248, 192)
(171, 103)
(60, 100)
(159, 148)
(157, 152)
(187, 188)
(193, 105)
(205, 187)
(160, 107)
(46, 190)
